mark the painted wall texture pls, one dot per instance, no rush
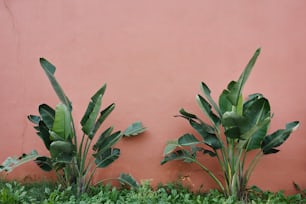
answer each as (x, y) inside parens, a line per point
(153, 56)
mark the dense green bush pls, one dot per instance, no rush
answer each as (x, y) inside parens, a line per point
(70, 158)
(237, 126)
(49, 193)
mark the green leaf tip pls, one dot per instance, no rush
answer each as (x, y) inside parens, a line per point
(47, 65)
(49, 70)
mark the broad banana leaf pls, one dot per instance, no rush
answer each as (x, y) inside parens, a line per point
(102, 137)
(47, 115)
(94, 108)
(258, 114)
(103, 115)
(61, 151)
(105, 143)
(224, 103)
(44, 134)
(234, 124)
(50, 70)
(170, 146)
(207, 134)
(207, 92)
(206, 108)
(62, 122)
(41, 128)
(92, 111)
(188, 140)
(104, 159)
(278, 138)
(12, 162)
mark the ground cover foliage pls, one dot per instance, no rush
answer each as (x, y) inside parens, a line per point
(13, 192)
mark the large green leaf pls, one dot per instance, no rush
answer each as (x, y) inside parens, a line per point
(94, 108)
(257, 112)
(207, 92)
(187, 140)
(224, 103)
(278, 138)
(207, 134)
(127, 179)
(50, 70)
(103, 115)
(107, 142)
(103, 137)
(61, 151)
(206, 108)
(134, 129)
(104, 159)
(12, 162)
(62, 122)
(234, 124)
(44, 134)
(170, 146)
(233, 92)
(56, 137)
(41, 128)
(206, 131)
(47, 114)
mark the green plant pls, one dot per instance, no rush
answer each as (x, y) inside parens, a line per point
(244, 123)
(171, 193)
(14, 193)
(69, 157)
(256, 195)
(58, 195)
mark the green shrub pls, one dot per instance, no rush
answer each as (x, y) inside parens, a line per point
(14, 193)
(172, 193)
(68, 156)
(244, 124)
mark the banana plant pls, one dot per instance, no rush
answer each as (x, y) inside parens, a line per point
(243, 123)
(68, 156)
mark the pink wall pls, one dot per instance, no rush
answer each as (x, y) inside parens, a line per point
(153, 55)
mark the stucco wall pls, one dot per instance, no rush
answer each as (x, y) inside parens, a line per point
(153, 55)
